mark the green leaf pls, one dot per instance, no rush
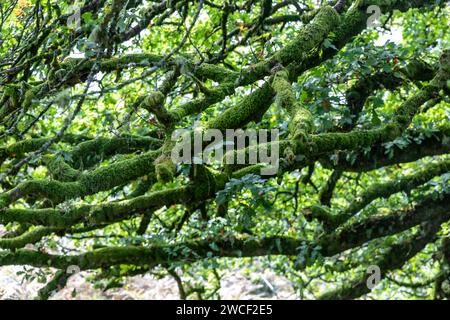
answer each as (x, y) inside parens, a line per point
(328, 44)
(87, 16)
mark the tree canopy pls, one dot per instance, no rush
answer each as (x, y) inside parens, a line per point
(91, 93)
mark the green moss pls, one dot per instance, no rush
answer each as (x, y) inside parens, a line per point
(46, 217)
(118, 211)
(5, 200)
(18, 149)
(419, 70)
(51, 189)
(254, 169)
(60, 170)
(301, 118)
(86, 153)
(352, 22)
(317, 144)
(405, 113)
(120, 172)
(215, 72)
(101, 179)
(312, 35)
(323, 215)
(89, 153)
(308, 38)
(57, 283)
(405, 184)
(203, 181)
(153, 101)
(21, 241)
(10, 100)
(196, 106)
(165, 170)
(28, 98)
(252, 107)
(98, 214)
(285, 96)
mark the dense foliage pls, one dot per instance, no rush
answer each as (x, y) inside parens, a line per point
(91, 92)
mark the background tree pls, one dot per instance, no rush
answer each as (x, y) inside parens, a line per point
(91, 92)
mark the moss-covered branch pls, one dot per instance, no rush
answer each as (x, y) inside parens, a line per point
(245, 246)
(58, 282)
(395, 257)
(403, 184)
(87, 151)
(422, 144)
(301, 121)
(326, 193)
(357, 95)
(29, 237)
(357, 233)
(98, 214)
(91, 182)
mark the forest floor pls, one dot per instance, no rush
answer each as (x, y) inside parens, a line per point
(234, 285)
